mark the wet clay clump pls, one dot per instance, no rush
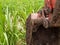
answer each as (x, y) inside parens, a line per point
(36, 34)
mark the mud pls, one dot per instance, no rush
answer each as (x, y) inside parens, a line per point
(38, 35)
(44, 36)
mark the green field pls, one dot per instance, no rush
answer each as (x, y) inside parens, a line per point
(13, 14)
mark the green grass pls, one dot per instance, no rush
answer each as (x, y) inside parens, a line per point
(13, 14)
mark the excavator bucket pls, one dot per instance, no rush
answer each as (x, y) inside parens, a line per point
(55, 21)
(36, 34)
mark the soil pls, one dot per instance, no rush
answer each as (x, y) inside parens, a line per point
(38, 35)
(44, 36)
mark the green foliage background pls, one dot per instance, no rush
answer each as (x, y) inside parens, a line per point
(13, 14)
